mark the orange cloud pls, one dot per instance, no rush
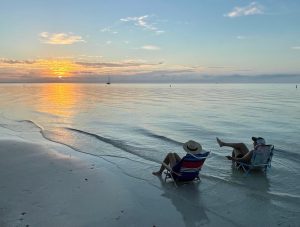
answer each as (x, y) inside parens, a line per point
(58, 68)
(54, 69)
(59, 38)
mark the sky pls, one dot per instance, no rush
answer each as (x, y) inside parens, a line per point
(91, 40)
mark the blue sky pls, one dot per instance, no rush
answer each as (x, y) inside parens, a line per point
(90, 39)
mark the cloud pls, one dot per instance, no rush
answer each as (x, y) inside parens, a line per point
(251, 9)
(11, 61)
(109, 30)
(129, 63)
(143, 22)
(296, 48)
(59, 38)
(150, 47)
(100, 64)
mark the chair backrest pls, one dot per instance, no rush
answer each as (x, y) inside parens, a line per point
(189, 166)
(262, 156)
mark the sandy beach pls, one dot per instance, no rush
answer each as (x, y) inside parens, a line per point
(42, 186)
(55, 186)
(51, 185)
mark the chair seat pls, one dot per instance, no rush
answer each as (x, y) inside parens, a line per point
(261, 159)
(188, 168)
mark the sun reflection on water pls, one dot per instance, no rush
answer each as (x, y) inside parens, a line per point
(59, 100)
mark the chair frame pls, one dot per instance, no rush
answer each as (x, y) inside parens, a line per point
(248, 167)
(169, 171)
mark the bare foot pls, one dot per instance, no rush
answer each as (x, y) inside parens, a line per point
(219, 142)
(157, 173)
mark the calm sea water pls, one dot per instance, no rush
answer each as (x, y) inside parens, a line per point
(139, 124)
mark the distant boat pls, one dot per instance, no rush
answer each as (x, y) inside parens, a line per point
(108, 80)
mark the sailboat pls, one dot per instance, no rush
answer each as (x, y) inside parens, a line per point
(108, 80)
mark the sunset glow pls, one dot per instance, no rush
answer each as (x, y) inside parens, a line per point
(157, 41)
(59, 68)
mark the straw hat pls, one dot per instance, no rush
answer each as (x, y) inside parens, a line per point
(192, 147)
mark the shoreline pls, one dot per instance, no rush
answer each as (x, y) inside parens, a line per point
(48, 184)
(45, 187)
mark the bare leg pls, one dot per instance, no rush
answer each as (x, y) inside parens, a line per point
(171, 159)
(238, 148)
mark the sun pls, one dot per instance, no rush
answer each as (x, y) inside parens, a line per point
(62, 68)
(59, 68)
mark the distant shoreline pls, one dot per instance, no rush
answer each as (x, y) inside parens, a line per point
(295, 83)
(167, 79)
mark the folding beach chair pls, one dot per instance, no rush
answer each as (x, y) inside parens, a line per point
(187, 169)
(261, 159)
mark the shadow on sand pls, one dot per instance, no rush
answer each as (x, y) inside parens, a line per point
(187, 200)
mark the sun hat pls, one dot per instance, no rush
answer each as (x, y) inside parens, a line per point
(192, 147)
(259, 140)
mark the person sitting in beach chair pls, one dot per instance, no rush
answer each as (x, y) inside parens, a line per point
(186, 168)
(259, 157)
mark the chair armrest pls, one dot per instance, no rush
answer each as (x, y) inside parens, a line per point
(170, 169)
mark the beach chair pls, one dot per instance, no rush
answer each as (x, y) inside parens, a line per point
(187, 169)
(261, 159)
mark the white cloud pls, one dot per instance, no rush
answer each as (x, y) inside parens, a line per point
(296, 48)
(251, 9)
(150, 47)
(143, 22)
(140, 22)
(59, 38)
(109, 30)
(108, 42)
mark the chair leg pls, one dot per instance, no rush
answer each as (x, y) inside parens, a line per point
(247, 172)
(173, 180)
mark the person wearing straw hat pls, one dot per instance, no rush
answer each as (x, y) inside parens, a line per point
(240, 151)
(191, 147)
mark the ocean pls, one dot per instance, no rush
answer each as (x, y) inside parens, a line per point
(134, 126)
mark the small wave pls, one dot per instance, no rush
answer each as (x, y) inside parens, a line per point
(157, 136)
(256, 183)
(287, 154)
(116, 143)
(47, 135)
(286, 196)
(32, 123)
